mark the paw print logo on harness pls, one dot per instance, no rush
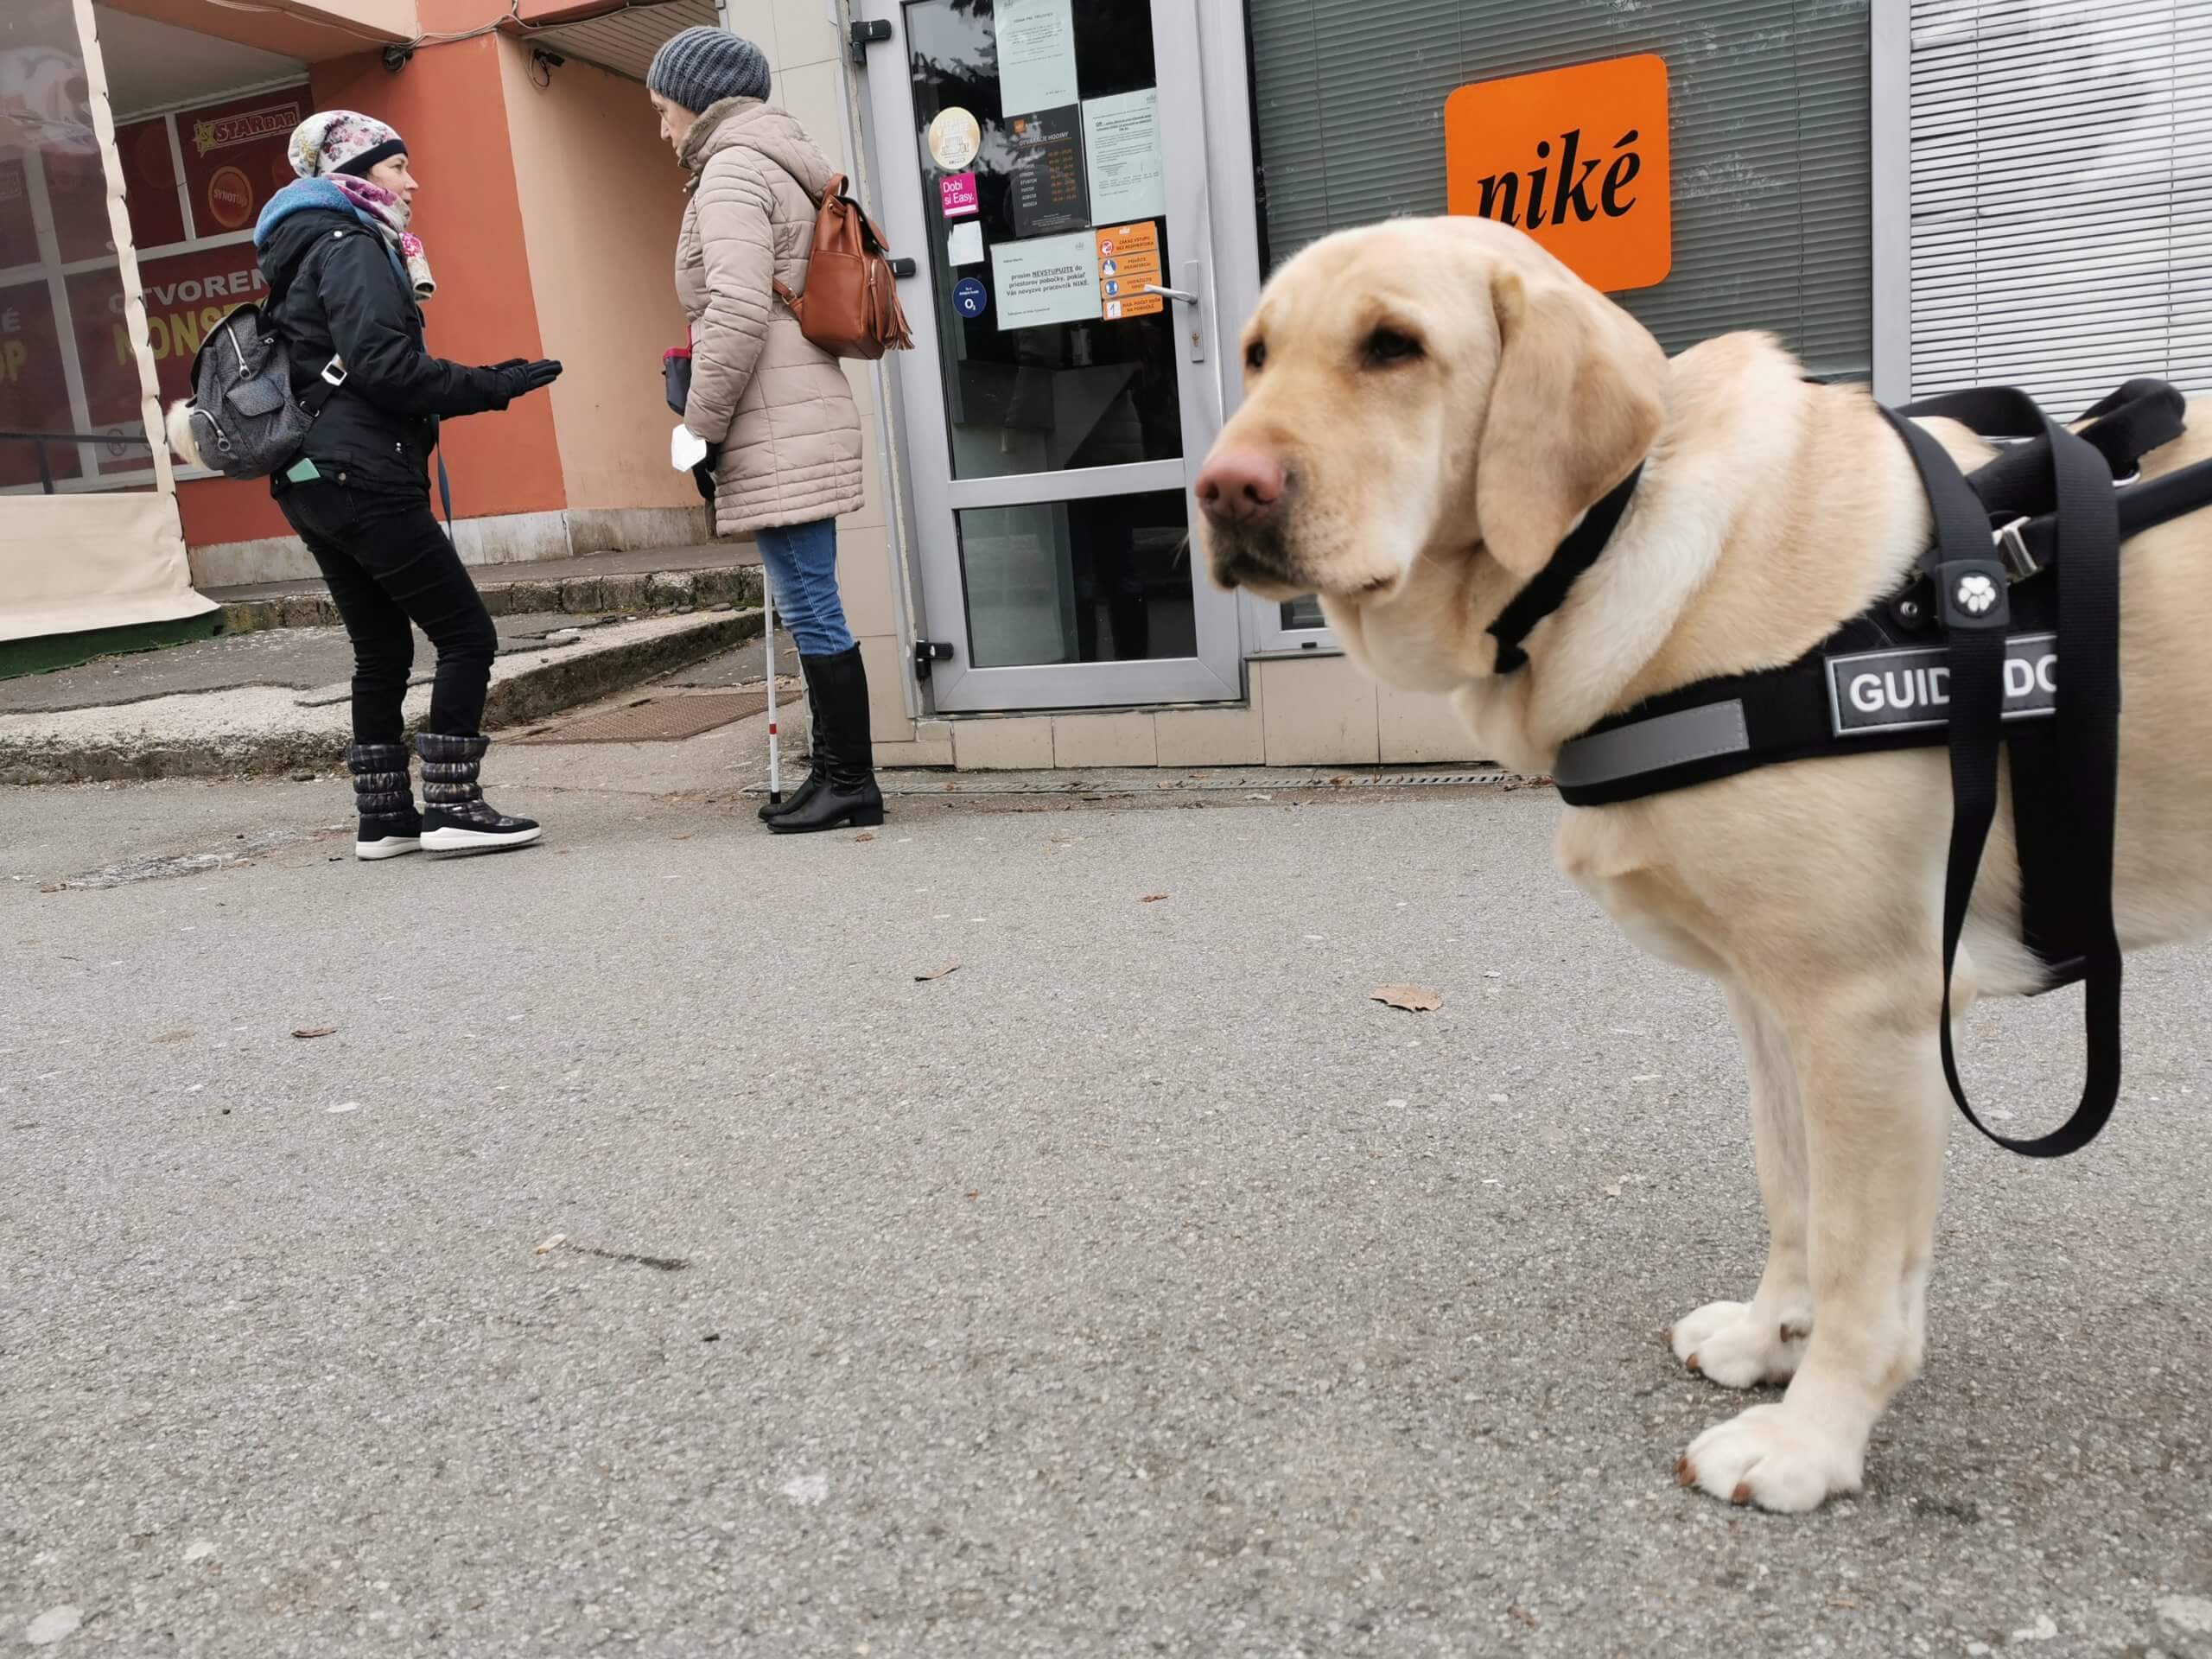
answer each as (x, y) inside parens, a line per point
(1976, 594)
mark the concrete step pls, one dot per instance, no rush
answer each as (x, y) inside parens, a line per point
(602, 584)
(256, 728)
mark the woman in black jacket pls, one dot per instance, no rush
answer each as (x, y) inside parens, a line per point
(345, 282)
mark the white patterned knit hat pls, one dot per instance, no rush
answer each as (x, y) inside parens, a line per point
(341, 141)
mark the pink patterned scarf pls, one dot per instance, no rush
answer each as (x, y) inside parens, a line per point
(390, 215)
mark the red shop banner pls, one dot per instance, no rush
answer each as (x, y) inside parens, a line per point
(34, 390)
(76, 194)
(18, 234)
(234, 156)
(76, 190)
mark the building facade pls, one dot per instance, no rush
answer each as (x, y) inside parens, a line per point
(1919, 193)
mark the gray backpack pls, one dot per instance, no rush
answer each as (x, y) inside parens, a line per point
(242, 418)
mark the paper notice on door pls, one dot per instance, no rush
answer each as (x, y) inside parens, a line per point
(1120, 147)
(1036, 42)
(1128, 258)
(965, 246)
(1046, 194)
(1045, 280)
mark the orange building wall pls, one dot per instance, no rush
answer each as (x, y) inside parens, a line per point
(602, 199)
(449, 104)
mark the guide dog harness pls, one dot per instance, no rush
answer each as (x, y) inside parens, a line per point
(2026, 564)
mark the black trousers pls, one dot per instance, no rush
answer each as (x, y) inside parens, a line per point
(388, 564)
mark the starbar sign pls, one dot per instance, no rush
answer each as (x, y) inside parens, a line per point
(1576, 158)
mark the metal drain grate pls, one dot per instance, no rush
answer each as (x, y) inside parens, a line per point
(657, 720)
(1142, 783)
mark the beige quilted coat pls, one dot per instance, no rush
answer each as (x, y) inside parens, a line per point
(779, 406)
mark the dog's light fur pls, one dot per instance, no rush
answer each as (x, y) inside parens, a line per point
(1420, 495)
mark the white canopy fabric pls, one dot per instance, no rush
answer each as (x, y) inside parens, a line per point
(76, 562)
(69, 564)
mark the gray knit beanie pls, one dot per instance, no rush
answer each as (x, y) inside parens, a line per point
(703, 65)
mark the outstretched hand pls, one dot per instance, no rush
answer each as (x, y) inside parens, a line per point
(522, 377)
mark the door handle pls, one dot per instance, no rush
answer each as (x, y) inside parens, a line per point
(1194, 332)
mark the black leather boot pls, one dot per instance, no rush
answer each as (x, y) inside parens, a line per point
(845, 749)
(382, 795)
(817, 772)
(457, 817)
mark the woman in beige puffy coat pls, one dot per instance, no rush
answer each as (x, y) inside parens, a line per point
(775, 409)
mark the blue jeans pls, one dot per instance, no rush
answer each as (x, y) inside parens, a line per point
(801, 562)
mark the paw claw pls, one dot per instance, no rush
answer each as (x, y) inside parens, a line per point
(1739, 1345)
(1776, 1459)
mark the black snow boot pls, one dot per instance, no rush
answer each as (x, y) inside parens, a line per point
(817, 770)
(843, 747)
(389, 824)
(457, 817)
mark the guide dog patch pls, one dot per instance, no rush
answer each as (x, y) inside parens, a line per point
(1903, 689)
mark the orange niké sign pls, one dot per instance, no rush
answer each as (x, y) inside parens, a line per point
(1576, 158)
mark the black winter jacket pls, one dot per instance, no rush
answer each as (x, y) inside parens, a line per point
(335, 289)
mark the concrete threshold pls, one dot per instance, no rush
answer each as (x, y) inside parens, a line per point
(252, 730)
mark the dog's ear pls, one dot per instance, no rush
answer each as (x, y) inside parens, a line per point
(1577, 401)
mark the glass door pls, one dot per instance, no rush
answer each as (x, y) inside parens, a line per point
(1042, 161)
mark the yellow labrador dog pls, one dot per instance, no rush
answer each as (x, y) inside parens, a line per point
(1431, 405)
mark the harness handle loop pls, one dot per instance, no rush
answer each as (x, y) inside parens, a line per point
(2086, 745)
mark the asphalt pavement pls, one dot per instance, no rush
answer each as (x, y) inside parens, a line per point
(650, 1259)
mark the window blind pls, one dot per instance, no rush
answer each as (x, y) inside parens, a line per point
(1769, 107)
(2061, 195)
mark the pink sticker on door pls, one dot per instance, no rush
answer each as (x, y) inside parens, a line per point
(956, 193)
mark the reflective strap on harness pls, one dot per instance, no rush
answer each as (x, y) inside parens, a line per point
(2086, 742)
(1680, 739)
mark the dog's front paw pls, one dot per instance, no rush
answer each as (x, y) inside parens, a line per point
(1774, 1458)
(1740, 1345)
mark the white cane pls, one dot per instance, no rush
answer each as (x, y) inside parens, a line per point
(775, 749)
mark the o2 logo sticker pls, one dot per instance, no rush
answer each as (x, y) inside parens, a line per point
(971, 298)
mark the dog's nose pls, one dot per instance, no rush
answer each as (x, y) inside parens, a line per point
(1239, 487)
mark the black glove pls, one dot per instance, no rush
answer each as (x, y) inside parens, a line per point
(702, 474)
(520, 377)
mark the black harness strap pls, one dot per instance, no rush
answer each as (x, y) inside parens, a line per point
(1972, 586)
(1547, 590)
(2142, 416)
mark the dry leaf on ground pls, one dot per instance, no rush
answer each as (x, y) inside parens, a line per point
(1415, 999)
(865, 834)
(315, 1030)
(1152, 897)
(937, 973)
(551, 1244)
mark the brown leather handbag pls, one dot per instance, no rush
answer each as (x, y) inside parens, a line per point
(850, 307)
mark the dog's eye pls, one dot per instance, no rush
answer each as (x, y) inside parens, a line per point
(1255, 356)
(1387, 347)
